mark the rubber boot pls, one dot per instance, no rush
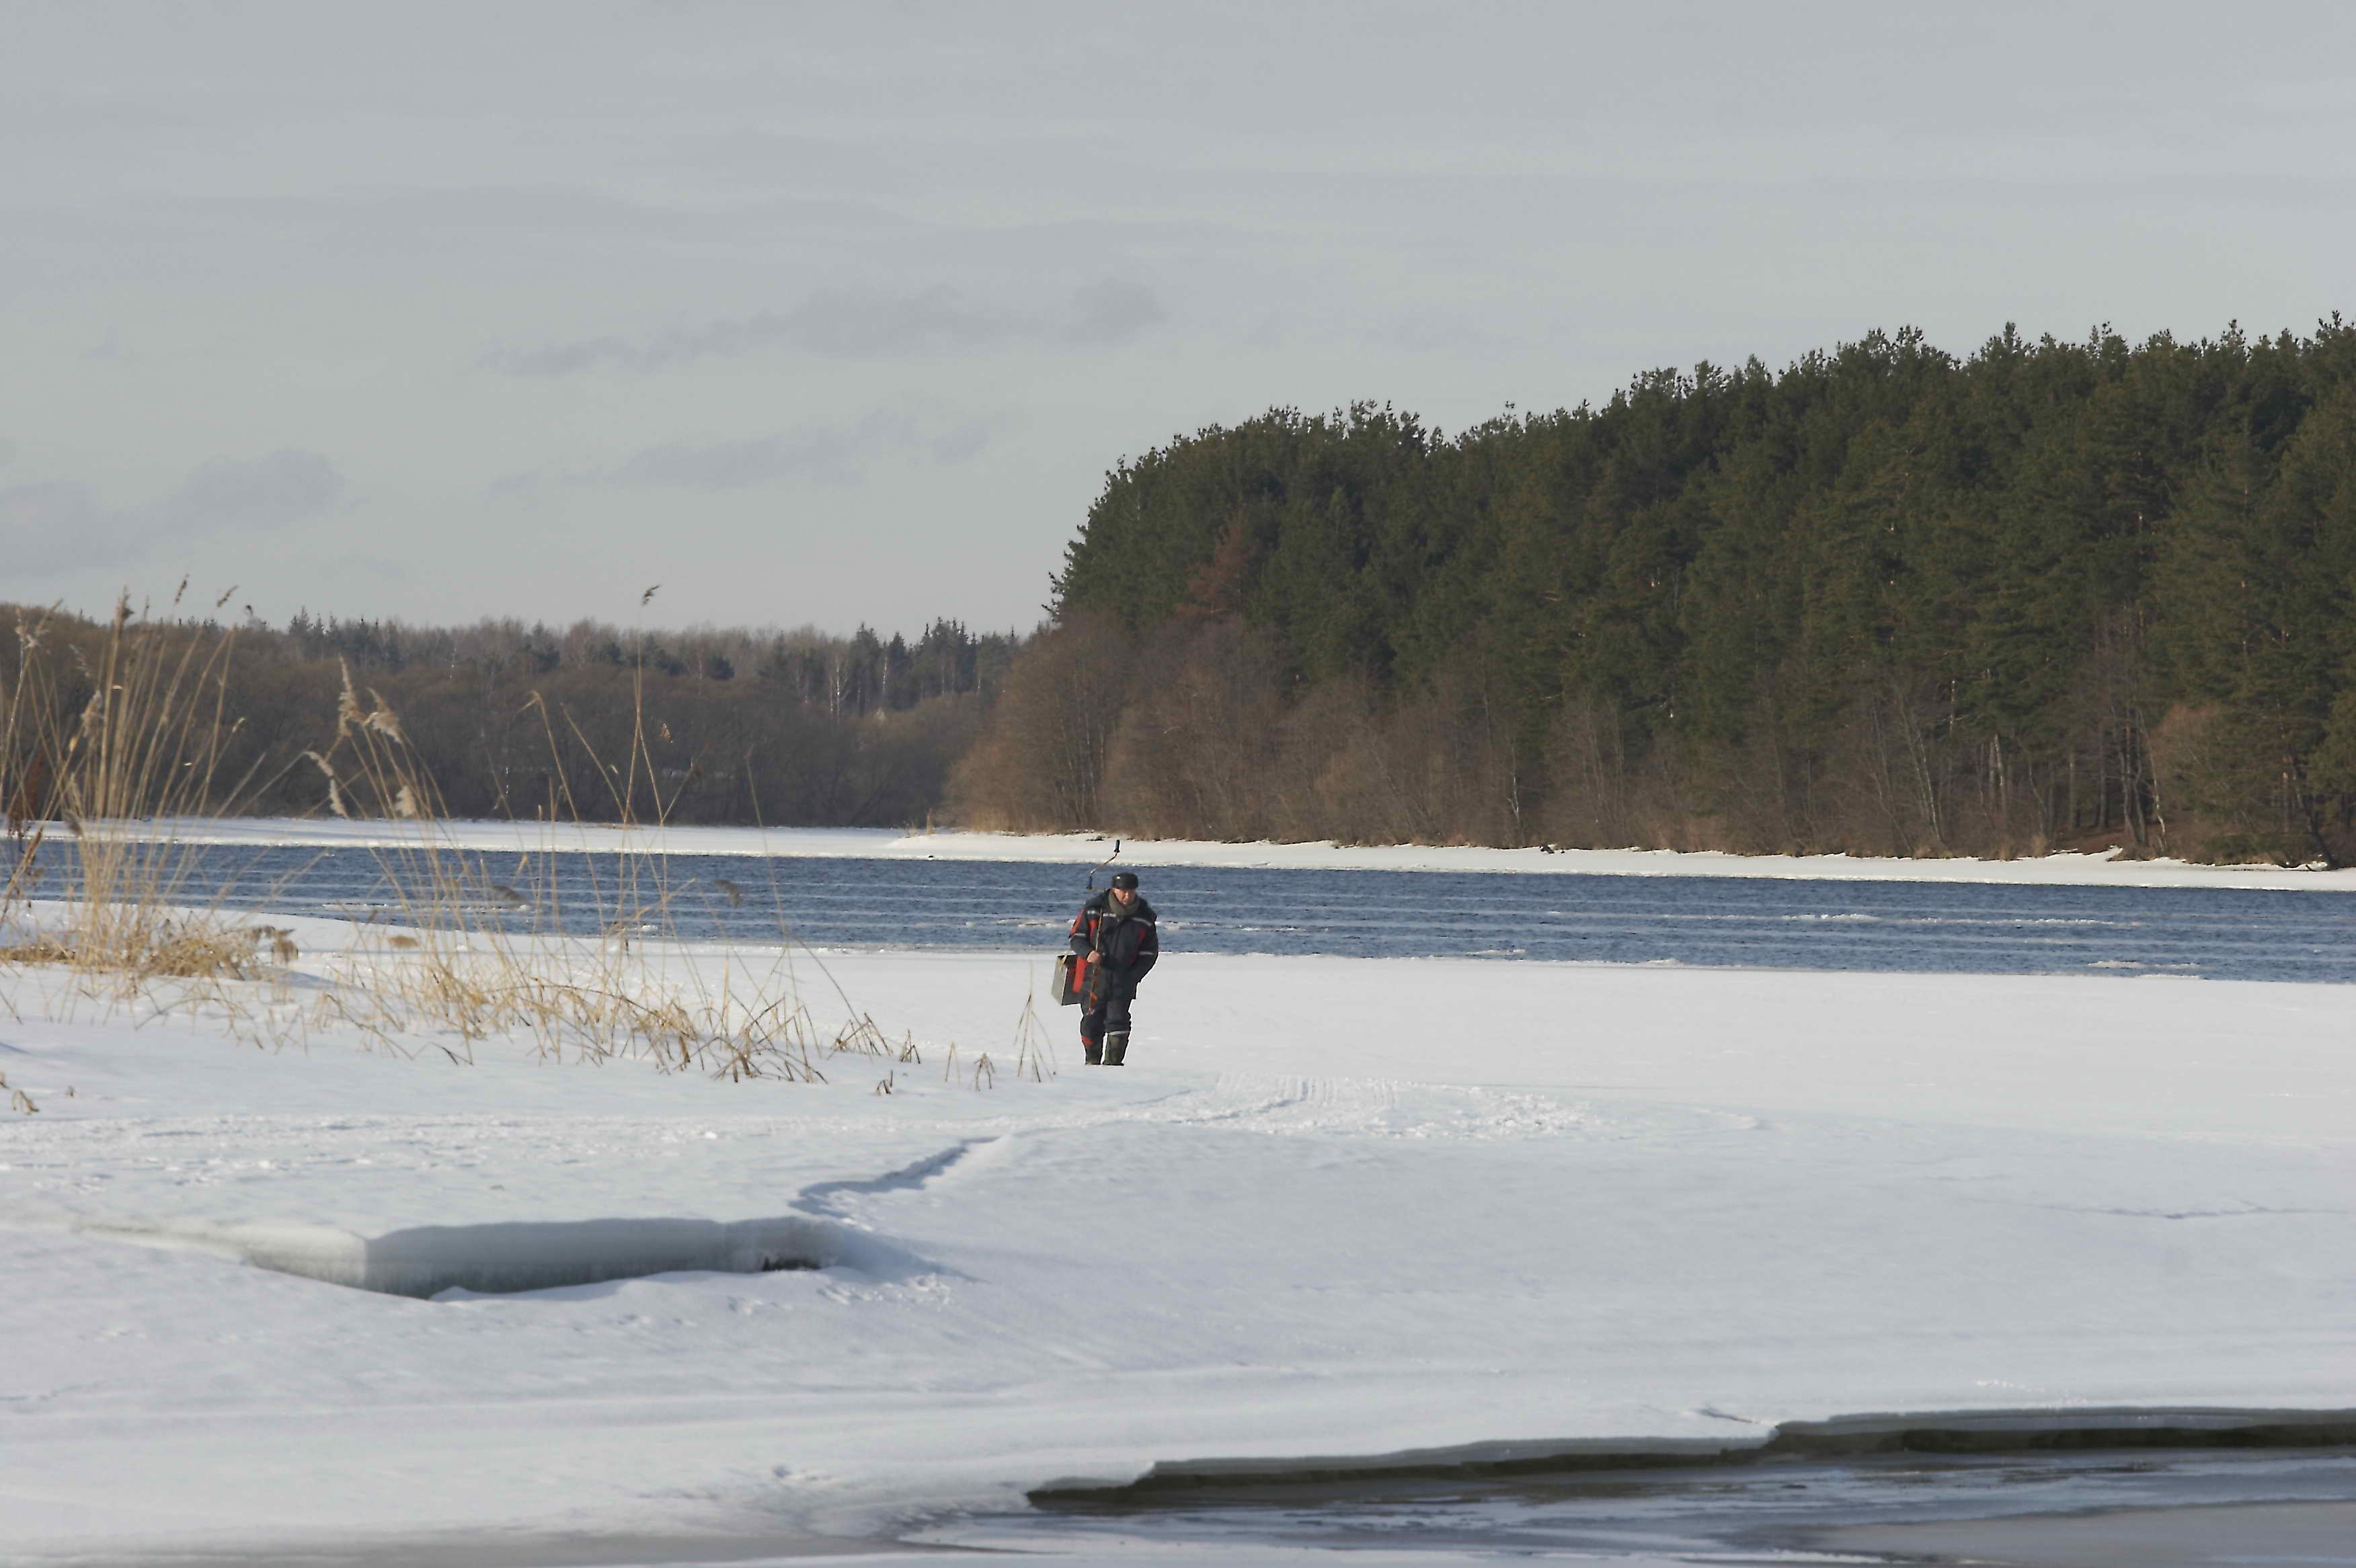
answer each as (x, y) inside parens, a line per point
(1116, 1045)
(1093, 1052)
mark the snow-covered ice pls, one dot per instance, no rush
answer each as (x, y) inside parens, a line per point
(1337, 1207)
(2104, 869)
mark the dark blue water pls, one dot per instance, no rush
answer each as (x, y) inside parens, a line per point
(2220, 933)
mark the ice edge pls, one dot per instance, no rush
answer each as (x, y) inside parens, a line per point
(1927, 1432)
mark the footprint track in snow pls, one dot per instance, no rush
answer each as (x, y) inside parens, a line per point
(824, 1198)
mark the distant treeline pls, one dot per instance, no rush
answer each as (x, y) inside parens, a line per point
(731, 726)
(1885, 601)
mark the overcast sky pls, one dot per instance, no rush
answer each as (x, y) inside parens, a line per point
(841, 313)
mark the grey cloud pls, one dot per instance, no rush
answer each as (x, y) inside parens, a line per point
(823, 454)
(8, 450)
(415, 217)
(48, 527)
(285, 487)
(43, 527)
(532, 232)
(1114, 311)
(846, 324)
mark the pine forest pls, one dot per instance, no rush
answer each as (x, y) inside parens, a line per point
(1887, 601)
(1884, 601)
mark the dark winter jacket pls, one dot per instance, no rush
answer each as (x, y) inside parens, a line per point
(1123, 941)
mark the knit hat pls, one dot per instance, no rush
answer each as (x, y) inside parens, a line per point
(1127, 879)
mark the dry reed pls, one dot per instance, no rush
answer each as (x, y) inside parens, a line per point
(110, 741)
(98, 740)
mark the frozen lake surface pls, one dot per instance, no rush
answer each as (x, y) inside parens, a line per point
(1880, 1147)
(2222, 933)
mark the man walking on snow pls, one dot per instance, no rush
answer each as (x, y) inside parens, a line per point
(1115, 931)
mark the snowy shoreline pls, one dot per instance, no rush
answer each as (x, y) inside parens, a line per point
(1087, 849)
(1337, 1207)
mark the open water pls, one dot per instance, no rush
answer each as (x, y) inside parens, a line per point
(2102, 1509)
(2005, 928)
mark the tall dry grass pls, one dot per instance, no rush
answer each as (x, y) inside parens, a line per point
(450, 962)
(114, 745)
(95, 739)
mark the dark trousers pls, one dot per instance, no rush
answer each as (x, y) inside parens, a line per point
(1109, 1015)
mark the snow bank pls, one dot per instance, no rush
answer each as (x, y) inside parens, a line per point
(499, 1259)
(1083, 849)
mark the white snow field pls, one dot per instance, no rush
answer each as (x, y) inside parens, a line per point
(2105, 869)
(1336, 1207)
